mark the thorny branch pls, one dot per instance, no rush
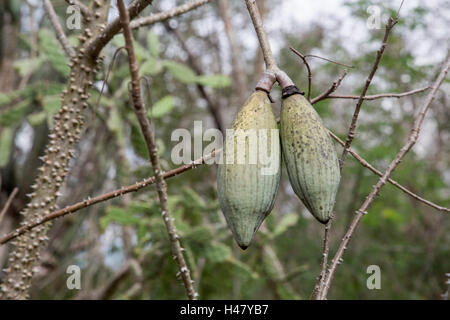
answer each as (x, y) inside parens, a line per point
(351, 132)
(147, 131)
(412, 138)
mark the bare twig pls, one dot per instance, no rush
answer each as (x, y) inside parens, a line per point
(324, 263)
(329, 60)
(141, 113)
(166, 15)
(330, 90)
(307, 67)
(378, 96)
(7, 204)
(412, 138)
(106, 196)
(60, 35)
(392, 181)
(253, 10)
(351, 132)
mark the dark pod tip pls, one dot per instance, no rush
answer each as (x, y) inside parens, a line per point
(323, 221)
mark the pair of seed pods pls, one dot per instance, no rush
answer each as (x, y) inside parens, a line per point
(247, 188)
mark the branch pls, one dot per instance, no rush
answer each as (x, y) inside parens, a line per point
(412, 138)
(68, 125)
(162, 16)
(107, 196)
(141, 114)
(378, 96)
(307, 67)
(393, 182)
(58, 29)
(351, 132)
(330, 90)
(7, 204)
(253, 10)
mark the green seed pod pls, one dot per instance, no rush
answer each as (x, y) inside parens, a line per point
(249, 175)
(310, 158)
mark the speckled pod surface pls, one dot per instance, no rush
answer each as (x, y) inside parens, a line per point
(311, 160)
(247, 190)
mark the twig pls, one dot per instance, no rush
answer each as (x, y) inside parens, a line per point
(166, 15)
(330, 90)
(141, 113)
(329, 60)
(351, 132)
(7, 204)
(253, 10)
(324, 263)
(58, 29)
(85, 12)
(106, 196)
(392, 181)
(412, 138)
(307, 67)
(378, 96)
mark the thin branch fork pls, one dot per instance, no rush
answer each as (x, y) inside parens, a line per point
(351, 132)
(141, 113)
(330, 90)
(412, 138)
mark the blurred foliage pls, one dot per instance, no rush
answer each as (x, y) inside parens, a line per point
(408, 240)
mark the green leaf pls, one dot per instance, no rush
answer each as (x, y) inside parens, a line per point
(118, 215)
(285, 293)
(53, 51)
(52, 104)
(150, 67)
(5, 145)
(138, 142)
(243, 270)
(181, 72)
(26, 66)
(217, 252)
(15, 114)
(162, 107)
(153, 44)
(287, 221)
(36, 118)
(214, 81)
(199, 234)
(193, 199)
